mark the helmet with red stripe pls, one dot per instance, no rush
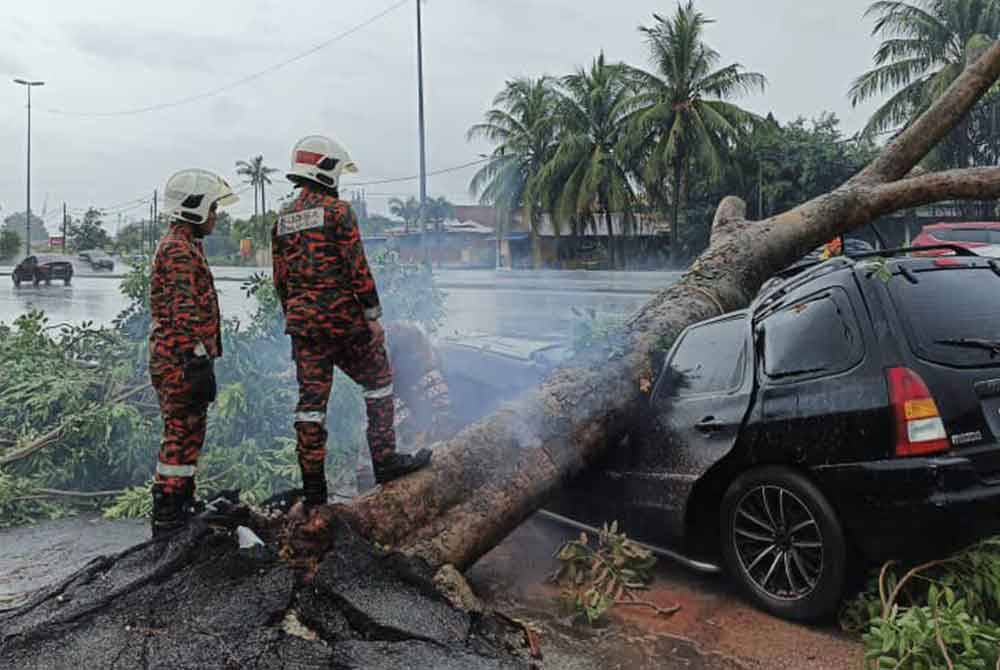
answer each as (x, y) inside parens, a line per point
(320, 159)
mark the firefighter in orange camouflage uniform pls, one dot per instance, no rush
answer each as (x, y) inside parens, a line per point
(184, 339)
(332, 313)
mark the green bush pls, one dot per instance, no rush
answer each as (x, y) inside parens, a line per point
(941, 614)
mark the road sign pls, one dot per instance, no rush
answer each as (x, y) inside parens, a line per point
(55, 241)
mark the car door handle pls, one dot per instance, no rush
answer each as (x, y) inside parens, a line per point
(709, 425)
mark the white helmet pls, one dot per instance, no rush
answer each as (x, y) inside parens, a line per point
(320, 159)
(189, 195)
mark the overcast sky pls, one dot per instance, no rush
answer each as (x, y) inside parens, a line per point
(111, 55)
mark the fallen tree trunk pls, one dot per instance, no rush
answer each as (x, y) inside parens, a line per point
(493, 475)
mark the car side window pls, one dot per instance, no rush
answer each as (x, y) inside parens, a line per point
(814, 337)
(971, 235)
(709, 359)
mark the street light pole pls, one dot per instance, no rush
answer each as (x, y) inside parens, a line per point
(27, 222)
(423, 152)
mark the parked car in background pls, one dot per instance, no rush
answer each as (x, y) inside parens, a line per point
(853, 411)
(97, 259)
(39, 269)
(982, 237)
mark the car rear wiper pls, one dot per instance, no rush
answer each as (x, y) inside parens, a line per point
(973, 343)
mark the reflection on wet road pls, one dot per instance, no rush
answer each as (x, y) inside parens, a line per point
(534, 305)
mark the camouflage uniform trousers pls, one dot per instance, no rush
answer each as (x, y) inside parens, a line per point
(183, 429)
(367, 364)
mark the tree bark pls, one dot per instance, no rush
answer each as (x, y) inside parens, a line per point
(496, 473)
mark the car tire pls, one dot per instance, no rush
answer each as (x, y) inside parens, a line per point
(36, 280)
(783, 544)
(17, 282)
(67, 280)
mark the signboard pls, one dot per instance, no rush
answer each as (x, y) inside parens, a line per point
(57, 241)
(246, 248)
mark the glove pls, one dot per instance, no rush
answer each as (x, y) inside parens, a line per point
(199, 372)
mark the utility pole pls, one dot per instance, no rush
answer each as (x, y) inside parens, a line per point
(65, 236)
(760, 190)
(27, 221)
(423, 151)
(156, 219)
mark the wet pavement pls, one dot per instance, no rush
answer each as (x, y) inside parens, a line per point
(35, 556)
(522, 304)
(714, 629)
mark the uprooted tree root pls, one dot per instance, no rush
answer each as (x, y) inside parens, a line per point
(196, 601)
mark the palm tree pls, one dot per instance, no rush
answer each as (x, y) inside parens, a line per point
(257, 174)
(589, 172)
(682, 113)
(408, 211)
(926, 45)
(523, 127)
(439, 210)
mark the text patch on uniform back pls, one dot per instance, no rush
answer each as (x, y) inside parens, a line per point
(296, 222)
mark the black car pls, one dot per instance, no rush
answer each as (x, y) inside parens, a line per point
(852, 412)
(38, 269)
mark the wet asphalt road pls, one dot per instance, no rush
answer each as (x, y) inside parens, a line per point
(526, 304)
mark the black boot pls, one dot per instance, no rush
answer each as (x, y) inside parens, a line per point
(314, 491)
(171, 511)
(398, 465)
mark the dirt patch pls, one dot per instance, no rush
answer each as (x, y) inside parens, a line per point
(715, 627)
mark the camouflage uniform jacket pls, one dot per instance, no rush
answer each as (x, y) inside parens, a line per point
(320, 270)
(182, 299)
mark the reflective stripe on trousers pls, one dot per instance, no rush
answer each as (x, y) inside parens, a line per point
(167, 470)
(379, 393)
(310, 417)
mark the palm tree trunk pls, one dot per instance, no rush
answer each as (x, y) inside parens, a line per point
(263, 223)
(256, 202)
(612, 252)
(536, 243)
(675, 225)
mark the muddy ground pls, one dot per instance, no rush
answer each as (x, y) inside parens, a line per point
(714, 628)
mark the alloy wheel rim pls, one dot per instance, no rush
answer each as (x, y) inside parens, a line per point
(778, 542)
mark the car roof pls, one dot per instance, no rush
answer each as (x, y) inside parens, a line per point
(967, 224)
(51, 259)
(867, 263)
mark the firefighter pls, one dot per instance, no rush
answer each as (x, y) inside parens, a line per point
(184, 339)
(332, 313)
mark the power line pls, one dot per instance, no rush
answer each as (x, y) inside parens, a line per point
(397, 180)
(239, 82)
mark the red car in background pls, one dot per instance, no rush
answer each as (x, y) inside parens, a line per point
(983, 238)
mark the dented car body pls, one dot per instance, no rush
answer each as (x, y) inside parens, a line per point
(852, 412)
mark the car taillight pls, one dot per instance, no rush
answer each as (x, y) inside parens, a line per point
(919, 428)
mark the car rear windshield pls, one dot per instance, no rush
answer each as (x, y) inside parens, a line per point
(951, 315)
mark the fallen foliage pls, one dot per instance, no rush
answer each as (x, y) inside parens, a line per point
(940, 614)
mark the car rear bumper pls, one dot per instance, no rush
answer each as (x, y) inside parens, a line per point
(912, 508)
